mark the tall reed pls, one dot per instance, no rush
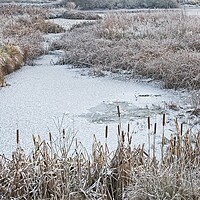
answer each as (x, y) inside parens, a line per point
(126, 173)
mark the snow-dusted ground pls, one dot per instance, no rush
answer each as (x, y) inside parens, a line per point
(40, 96)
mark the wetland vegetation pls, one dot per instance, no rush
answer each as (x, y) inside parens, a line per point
(161, 45)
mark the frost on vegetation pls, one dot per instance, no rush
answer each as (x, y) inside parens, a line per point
(21, 35)
(159, 45)
(126, 173)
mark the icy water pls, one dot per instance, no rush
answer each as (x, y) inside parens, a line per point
(47, 98)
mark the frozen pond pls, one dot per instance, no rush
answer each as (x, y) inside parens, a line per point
(47, 98)
(40, 95)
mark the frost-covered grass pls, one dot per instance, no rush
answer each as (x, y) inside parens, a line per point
(160, 45)
(54, 171)
(22, 27)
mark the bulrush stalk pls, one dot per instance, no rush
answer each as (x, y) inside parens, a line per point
(149, 135)
(119, 119)
(163, 136)
(17, 134)
(154, 141)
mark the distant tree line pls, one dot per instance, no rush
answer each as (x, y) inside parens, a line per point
(116, 4)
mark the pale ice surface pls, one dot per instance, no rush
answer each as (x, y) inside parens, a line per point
(40, 96)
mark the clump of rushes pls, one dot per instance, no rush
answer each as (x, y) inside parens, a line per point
(114, 26)
(51, 172)
(159, 45)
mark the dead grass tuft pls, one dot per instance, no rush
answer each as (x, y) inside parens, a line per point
(11, 59)
(114, 26)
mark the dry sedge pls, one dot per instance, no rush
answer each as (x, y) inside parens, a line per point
(126, 173)
(159, 45)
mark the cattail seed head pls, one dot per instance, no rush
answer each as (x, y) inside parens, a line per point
(164, 119)
(17, 136)
(149, 123)
(106, 132)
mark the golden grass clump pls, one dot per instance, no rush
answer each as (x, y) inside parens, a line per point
(51, 172)
(11, 59)
(159, 45)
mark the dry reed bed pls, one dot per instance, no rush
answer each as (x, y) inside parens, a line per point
(51, 172)
(160, 45)
(22, 27)
(13, 9)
